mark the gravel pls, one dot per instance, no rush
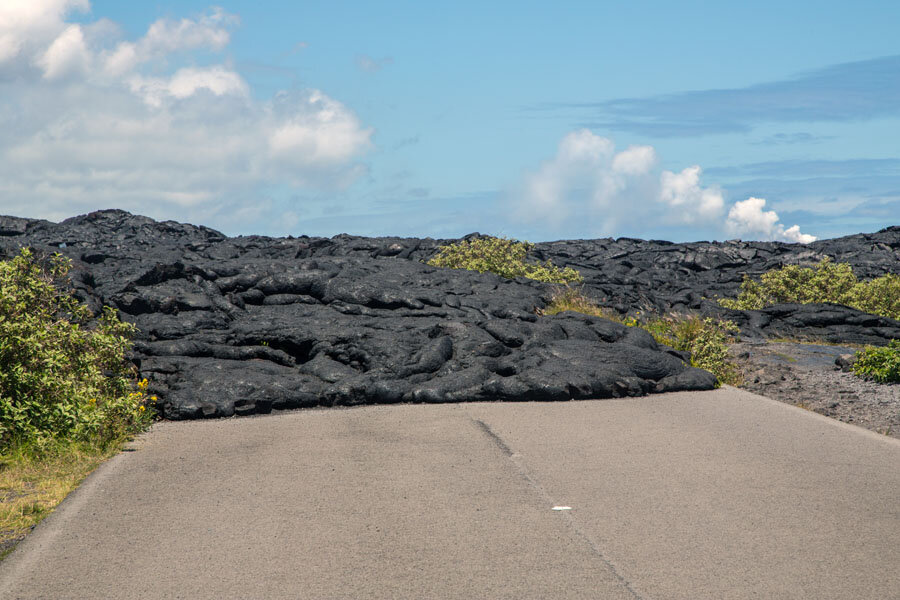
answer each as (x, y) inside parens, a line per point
(806, 375)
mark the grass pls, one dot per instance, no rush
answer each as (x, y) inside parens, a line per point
(33, 482)
(571, 299)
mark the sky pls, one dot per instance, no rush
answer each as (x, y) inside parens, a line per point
(659, 120)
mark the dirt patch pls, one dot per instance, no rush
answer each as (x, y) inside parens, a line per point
(806, 375)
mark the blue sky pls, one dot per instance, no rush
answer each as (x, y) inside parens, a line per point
(681, 121)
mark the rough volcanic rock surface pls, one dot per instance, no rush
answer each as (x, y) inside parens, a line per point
(806, 375)
(663, 276)
(250, 324)
(830, 323)
(247, 325)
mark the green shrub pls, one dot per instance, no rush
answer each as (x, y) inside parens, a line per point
(706, 339)
(881, 296)
(503, 257)
(63, 374)
(827, 282)
(879, 364)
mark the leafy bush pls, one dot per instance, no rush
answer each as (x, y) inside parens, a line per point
(706, 339)
(827, 282)
(502, 256)
(62, 377)
(880, 296)
(880, 364)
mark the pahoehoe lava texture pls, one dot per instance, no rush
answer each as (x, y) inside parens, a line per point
(249, 324)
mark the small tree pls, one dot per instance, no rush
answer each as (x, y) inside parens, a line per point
(63, 373)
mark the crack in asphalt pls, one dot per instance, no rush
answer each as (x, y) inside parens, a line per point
(522, 468)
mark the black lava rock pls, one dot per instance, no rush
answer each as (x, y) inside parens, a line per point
(245, 325)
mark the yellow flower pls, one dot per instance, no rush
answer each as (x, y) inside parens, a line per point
(153, 398)
(142, 408)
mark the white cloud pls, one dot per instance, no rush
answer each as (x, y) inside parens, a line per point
(588, 186)
(687, 199)
(121, 60)
(748, 218)
(584, 147)
(582, 165)
(792, 234)
(93, 121)
(325, 134)
(636, 160)
(166, 36)
(68, 54)
(218, 80)
(27, 26)
(589, 180)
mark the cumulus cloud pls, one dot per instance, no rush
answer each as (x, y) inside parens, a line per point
(188, 81)
(637, 160)
(29, 27)
(209, 31)
(582, 166)
(588, 179)
(68, 54)
(92, 121)
(167, 36)
(589, 182)
(324, 134)
(747, 217)
(684, 195)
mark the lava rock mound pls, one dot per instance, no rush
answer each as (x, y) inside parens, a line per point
(246, 325)
(235, 326)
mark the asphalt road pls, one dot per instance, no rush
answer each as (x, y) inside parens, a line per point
(693, 495)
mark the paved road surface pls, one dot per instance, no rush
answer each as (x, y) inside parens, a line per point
(693, 495)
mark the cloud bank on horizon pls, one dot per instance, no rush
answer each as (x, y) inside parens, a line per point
(92, 120)
(588, 178)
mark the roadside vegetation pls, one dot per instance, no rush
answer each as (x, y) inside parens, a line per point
(33, 483)
(68, 397)
(835, 283)
(879, 364)
(827, 282)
